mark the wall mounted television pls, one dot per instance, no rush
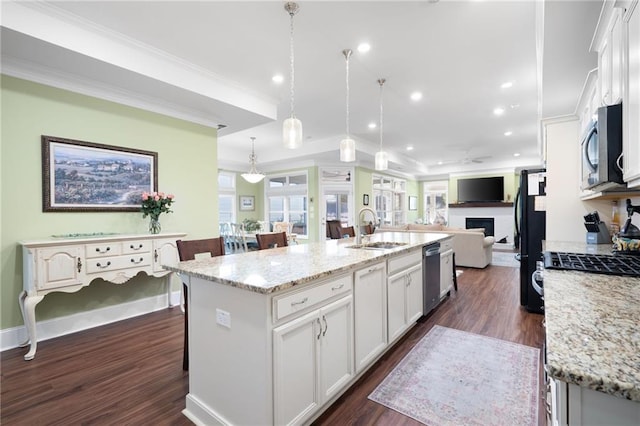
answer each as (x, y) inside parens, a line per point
(481, 190)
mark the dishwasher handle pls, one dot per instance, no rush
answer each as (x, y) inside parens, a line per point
(432, 250)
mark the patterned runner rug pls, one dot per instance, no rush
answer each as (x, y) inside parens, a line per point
(504, 259)
(452, 377)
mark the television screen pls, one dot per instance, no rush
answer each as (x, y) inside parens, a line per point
(481, 189)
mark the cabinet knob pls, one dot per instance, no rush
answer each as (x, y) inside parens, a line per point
(138, 261)
(103, 251)
(155, 255)
(103, 266)
(132, 247)
(79, 264)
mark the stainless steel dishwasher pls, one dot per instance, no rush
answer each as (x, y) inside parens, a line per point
(430, 277)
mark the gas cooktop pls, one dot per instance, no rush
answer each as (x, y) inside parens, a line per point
(596, 263)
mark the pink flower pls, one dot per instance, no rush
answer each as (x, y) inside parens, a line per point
(145, 196)
(161, 194)
(170, 196)
(157, 197)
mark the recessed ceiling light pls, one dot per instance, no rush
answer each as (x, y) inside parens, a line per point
(506, 85)
(372, 125)
(278, 78)
(517, 154)
(440, 163)
(498, 111)
(508, 133)
(410, 148)
(514, 106)
(416, 96)
(364, 47)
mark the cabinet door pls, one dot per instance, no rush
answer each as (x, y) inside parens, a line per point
(370, 313)
(295, 363)
(59, 267)
(414, 294)
(165, 252)
(631, 107)
(336, 347)
(446, 272)
(396, 315)
(617, 60)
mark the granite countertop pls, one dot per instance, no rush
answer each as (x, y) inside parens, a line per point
(593, 327)
(277, 269)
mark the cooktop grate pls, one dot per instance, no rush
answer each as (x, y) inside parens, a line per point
(596, 263)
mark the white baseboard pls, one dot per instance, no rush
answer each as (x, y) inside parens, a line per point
(56, 327)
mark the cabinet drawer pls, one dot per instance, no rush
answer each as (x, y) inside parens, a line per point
(404, 261)
(446, 245)
(296, 302)
(117, 262)
(139, 246)
(106, 249)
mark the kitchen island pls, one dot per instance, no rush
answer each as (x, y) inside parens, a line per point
(592, 343)
(275, 336)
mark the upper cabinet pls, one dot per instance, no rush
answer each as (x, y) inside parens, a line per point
(631, 94)
(607, 41)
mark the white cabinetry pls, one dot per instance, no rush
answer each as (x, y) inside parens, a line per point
(607, 42)
(631, 104)
(67, 265)
(370, 313)
(446, 266)
(313, 360)
(572, 405)
(404, 293)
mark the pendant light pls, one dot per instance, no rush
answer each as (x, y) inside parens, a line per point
(382, 160)
(253, 176)
(292, 127)
(347, 145)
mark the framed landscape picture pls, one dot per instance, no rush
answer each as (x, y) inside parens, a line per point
(247, 203)
(91, 177)
(413, 203)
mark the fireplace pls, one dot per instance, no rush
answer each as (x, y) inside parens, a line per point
(481, 222)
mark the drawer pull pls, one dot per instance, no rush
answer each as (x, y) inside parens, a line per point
(319, 329)
(139, 261)
(338, 287)
(155, 255)
(103, 251)
(302, 302)
(132, 247)
(324, 318)
(79, 263)
(408, 280)
(103, 266)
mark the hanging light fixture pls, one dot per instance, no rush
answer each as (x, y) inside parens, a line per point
(382, 160)
(253, 176)
(292, 127)
(347, 145)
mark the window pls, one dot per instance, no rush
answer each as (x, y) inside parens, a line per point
(436, 209)
(226, 197)
(390, 200)
(287, 200)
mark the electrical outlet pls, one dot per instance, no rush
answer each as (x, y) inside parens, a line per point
(223, 318)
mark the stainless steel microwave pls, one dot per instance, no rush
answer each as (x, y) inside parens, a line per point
(602, 150)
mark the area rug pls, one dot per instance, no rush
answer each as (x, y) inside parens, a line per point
(453, 377)
(504, 259)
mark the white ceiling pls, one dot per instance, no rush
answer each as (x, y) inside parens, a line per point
(212, 62)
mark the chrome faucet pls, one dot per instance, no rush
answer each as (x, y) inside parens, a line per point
(375, 219)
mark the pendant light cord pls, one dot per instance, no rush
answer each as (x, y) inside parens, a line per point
(291, 56)
(347, 55)
(381, 82)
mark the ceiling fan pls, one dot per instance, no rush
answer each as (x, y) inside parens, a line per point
(466, 160)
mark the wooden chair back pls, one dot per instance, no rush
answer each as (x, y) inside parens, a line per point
(368, 229)
(348, 230)
(188, 249)
(334, 229)
(267, 241)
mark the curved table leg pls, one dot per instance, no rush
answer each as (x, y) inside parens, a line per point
(28, 309)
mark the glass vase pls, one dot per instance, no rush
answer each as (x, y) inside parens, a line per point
(154, 225)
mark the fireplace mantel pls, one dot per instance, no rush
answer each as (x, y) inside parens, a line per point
(493, 204)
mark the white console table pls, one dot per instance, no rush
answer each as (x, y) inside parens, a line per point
(68, 264)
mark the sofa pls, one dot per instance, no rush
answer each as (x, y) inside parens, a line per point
(471, 247)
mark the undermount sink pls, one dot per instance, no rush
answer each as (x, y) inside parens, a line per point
(379, 245)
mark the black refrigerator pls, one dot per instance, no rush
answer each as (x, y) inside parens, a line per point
(530, 224)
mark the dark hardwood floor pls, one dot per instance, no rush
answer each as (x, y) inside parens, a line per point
(130, 372)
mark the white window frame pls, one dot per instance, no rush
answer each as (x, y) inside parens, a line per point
(227, 192)
(395, 193)
(430, 191)
(287, 191)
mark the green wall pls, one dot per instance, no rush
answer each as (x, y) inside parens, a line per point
(187, 167)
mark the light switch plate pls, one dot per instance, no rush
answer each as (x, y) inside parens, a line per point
(223, 318)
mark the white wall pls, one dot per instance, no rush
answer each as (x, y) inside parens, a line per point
(565, 210)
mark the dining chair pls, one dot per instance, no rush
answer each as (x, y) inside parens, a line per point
(227, 235)
(286, 227)
(264, 226)
(267, 241)
(367, 229)
(190, 250)
(334, 229)
(239, 237)
(348, 230)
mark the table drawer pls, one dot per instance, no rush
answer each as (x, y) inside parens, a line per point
(298, 301)
(138, 246)
(118, 262)
(106, 249)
